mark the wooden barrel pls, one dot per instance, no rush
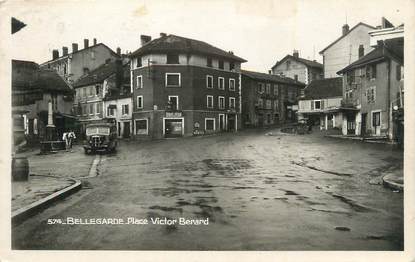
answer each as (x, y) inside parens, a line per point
(20, 169)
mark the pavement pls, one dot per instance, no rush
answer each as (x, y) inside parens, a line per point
(259, 190)
(51, 177)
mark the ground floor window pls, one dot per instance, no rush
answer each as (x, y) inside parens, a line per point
(141, 126)
(209, 124)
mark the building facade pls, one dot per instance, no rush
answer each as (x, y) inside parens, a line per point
(372, 88)
(321, 103)
(32, 91)
(71, 66)
(352, 44)
(184, 87)
(299, 69)
(268, 99)
(92, 89)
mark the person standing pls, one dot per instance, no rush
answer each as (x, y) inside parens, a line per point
(71, 138)
(66, 139)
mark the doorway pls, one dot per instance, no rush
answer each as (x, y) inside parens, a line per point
(231, 122)
(173, 127)
(221, 122)
(126, 131)
(363, 124)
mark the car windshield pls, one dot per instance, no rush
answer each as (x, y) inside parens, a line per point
(100, 130)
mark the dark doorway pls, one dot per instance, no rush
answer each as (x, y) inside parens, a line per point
(351, 124)
(173, 127)
(126, 133)
(363, 124)
(231, 122)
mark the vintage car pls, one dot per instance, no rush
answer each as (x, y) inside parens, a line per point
(100, 137)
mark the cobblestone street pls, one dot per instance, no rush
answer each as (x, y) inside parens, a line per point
(260, 190)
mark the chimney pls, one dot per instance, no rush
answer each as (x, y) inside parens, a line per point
(74, 47)
(163, 34)
(345, 29)
(118, 51)
(361, 51)
(270, 72)
(64, 50)
(119, 73)
(95, 41)
(295, 54)
(145, 39)
(55, 54)
(86, 43)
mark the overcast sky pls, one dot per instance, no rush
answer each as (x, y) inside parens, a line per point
(260, 31)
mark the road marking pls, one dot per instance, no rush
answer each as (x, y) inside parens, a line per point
(93, 172)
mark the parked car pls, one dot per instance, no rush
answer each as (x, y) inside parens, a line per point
(100, 137)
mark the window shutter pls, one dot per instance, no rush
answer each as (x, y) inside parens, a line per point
(312, 105)
(322, 104)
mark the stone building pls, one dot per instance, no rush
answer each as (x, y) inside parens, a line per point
(297, 68)
(182, 87)
(268, 99)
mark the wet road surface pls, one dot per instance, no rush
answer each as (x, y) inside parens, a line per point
(258, 192)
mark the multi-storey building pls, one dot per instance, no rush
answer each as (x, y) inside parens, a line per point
(298, 68)
(71, 66)
(91, 90)
(321, 103)
(352, 44)
(372, 88)
(32, 91)
(268, 99)
(182, 87)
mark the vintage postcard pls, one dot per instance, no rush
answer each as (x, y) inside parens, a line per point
(222, 126)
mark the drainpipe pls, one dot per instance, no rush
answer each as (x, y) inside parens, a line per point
(388, 98)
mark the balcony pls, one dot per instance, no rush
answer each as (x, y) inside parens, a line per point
(349, 103)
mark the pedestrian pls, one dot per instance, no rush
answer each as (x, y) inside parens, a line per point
(310, 124)
(66, 139)
(71, 138)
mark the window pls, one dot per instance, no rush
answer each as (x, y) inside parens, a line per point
(221, 102)
(209, 124)
(54, 102)
(85, 91)
(231, 66)
(111, 110)
(268, 104)
(84, 110)
(97, 90)
(91, 108)
(221, 64)
(317, 104)
(141, 126)
(209, 62)
(268, 89)
(398, 72)
(85, 70)
(275, 90)
(275, 105)
(139, 102)
(98, 109)
(91, 91)
(125, 109)
(260, 103)
(232, 102)
(172, 79)
(80, 92)
(139, 62)
(232, 84)
(139, 82)
(373, 71)
(173, 103)
(221, 83)
(172, 59)
(209, 81)
(209, 101)
(371, 94)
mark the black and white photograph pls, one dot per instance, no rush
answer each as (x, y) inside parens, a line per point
(230, 125)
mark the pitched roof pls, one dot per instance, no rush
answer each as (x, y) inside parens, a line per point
(174, 43)
(341, 37)
(324, 88)
(27, 76)
(272, 78)
(306, 62)
(98, 75)
(82, 50)
(377, 54)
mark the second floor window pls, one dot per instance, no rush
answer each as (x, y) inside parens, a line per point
(317, 105)
(268, 89)
(209, 62)
(221, 82)
(232, 84)
(139, 102)
(231, 66)
(139, 81)
(268, 104)
(221, 102)
(209, 81)
(111, 110)
(172, 59)
(173, 103)
(173, 80)
(209, 101)
(98, 109)
(91, 109)
(125, 110)
(371, 94)
(232, 102)
(139, 62)
(275, 90)
(221, 64)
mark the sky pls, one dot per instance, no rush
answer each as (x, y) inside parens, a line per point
(261, 31)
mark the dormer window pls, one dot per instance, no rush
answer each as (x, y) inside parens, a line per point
(172, 59)
(209, 62)
(221, 64)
